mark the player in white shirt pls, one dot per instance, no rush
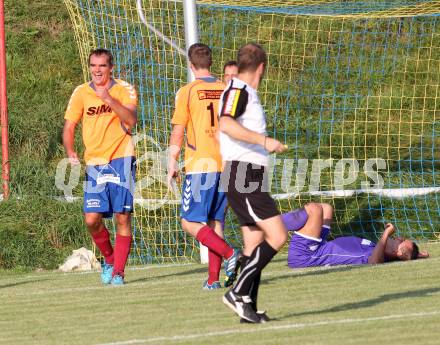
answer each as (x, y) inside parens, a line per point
(244, 146)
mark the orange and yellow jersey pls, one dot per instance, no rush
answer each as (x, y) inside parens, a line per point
(104, 136)
(197, 109)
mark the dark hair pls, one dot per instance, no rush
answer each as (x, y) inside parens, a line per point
(250, 56)
(229, 63)
(200, 56)
(415, 251)
(102, 51)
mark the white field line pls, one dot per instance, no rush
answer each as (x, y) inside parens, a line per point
(185, 337)
(47, 291)
(157, 280)
(51, 274)
(132, 268)
(152, 282)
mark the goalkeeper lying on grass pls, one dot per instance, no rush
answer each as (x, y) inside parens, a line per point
(309, 246)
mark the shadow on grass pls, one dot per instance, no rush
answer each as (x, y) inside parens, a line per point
(192, 271)
(367, 303)
(279, 258)
(21, 283)
(308, 272)
(183, 273)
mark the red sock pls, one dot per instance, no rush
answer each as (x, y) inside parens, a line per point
(102, 241)
(210, 239)
(122, 249)
(214, 266)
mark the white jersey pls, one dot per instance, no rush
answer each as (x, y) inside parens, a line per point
(241, 102)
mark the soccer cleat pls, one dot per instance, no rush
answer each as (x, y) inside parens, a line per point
(214, 286)
(231, 267)
(263, 317)
(106, 273)
(117, 280)
(242, 306)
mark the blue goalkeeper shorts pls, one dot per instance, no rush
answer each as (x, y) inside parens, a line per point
(109, 188)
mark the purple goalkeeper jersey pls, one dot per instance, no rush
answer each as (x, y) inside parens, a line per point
(305, 251)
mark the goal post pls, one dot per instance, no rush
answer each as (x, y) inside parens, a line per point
(191, 37)
(352, 87)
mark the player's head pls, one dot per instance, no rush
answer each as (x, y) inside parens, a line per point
(200, 56)
(102, 52)
(251, 58)
(101, 66)
(408, 250)
(230, 70)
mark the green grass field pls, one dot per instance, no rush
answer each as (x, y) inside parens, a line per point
(397, 303)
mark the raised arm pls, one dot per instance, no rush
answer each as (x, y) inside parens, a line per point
(126, 113)
(378, 255)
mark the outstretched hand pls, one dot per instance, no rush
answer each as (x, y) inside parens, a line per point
(273, 145)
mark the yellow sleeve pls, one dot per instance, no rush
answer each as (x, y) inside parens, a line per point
(130, 96)
(181, 113)
(75, 108)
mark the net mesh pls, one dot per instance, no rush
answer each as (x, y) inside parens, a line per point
(352, 87)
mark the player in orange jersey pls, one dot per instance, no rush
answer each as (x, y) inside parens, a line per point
(203, 204)
(106, 108)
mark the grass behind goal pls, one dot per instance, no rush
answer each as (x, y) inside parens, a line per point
(395, 303)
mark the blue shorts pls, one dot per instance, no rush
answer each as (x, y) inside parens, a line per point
(201, 198)
(109, 188)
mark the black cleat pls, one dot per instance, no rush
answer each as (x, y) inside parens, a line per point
(242, 306)
(263, 317)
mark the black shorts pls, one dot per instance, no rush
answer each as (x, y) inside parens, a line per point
(246, 185)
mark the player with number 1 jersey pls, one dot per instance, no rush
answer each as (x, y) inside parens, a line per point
(197, 109)
(203, 204)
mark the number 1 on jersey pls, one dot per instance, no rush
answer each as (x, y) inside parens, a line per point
(210, 107)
